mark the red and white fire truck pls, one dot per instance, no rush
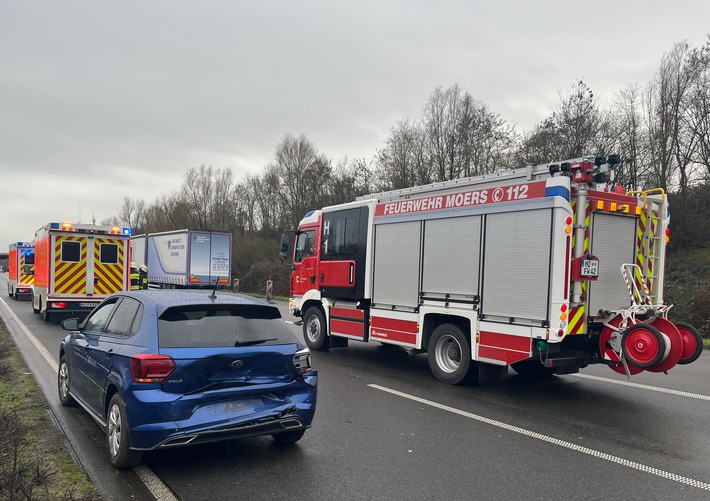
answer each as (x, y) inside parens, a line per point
(77, 266)
(547, 269)
(20, 274)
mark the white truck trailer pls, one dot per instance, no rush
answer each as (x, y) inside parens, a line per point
(184, 258)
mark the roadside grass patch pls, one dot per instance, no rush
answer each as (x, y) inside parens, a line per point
(34, 460)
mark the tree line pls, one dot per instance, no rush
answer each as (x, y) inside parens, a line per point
(660, 129)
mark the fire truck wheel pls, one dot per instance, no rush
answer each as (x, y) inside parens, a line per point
(692, 343)
(314, 329)
(643, 345)
(449, 355)
(532, 369)
(47, 315)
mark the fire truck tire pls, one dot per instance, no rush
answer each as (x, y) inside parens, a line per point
(692, 343)
(47, 315)
(314, 330)
(532, 369)
(449, 354)
(643, 345)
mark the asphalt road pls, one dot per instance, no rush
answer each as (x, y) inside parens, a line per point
(385, 429)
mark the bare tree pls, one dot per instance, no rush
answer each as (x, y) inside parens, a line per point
(404, 160)
(132, 213)
(299, 177)
(629, 132)
(575, 128)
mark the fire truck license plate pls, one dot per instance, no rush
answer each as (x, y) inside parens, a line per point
(590, 268)
(88, 305)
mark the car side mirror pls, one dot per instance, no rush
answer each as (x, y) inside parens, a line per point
(70, 324)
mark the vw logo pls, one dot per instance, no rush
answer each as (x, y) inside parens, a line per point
(237, 364)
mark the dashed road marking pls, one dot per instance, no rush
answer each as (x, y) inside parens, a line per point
(552, 440)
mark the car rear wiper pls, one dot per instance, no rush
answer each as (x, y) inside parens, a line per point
(253, 342)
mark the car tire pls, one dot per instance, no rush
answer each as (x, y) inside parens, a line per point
(314, 330)
(449, 355)
(289, 437)
(63, 382)
(117, 437)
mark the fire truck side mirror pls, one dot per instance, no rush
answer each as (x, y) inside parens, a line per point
(283, 255)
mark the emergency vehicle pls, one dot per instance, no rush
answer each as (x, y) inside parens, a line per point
(77, 266)
(547, 269)
(21, 265)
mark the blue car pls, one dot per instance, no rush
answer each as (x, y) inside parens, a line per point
(169, 368)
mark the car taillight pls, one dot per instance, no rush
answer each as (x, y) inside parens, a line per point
(302, 361)
(147, 368)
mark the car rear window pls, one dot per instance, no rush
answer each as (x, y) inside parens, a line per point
(222, 325)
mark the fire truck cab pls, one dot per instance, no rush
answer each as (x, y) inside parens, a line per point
(547, 269)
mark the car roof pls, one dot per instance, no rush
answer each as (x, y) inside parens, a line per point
(167, 298)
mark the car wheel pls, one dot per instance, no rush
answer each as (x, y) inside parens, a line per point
(63, 383)
(449, 355)
(119, 443)
(314, 329)
(289, 437)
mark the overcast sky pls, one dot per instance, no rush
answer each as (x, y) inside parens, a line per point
(102, 100)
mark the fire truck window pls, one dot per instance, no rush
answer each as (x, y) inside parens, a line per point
(109, 253)
(344, 238)
(304, 245)
(29, 259)
(341, 236)
(71, 252)
(350, 238)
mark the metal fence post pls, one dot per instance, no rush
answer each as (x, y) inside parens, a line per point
(269, 290)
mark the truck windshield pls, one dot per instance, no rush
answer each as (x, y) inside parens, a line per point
(305, 245)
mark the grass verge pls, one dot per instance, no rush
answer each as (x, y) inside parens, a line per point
(35, 463)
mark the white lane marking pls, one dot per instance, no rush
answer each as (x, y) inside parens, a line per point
(644, 386)
(555, 441)
(153, 483)
(157, 488)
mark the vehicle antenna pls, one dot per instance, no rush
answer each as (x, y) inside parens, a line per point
(214, 291)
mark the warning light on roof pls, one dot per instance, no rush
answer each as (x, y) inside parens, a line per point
(126, 230)
(67, 226)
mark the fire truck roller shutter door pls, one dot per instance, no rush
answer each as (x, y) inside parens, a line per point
(452, 249)
(516, 261)
(397, 258)
(613, 239)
